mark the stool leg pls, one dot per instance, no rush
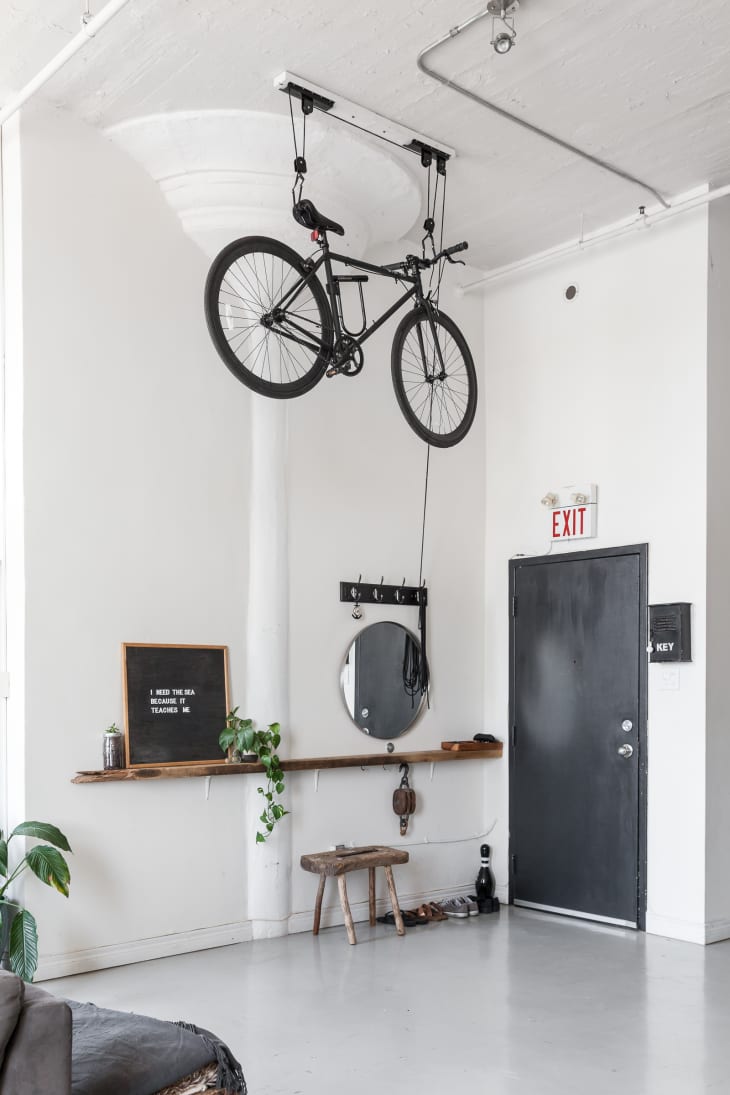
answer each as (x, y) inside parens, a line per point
(351, 938)
(318, 905)
(371, 894)
(394, 900)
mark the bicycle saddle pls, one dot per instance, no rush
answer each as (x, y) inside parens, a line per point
(307, 214)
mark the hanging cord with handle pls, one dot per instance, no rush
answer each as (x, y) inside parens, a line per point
(423, 671)
(300, 162)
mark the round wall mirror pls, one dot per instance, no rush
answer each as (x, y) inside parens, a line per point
(379, 680)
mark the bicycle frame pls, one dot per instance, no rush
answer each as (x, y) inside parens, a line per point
(326, 259)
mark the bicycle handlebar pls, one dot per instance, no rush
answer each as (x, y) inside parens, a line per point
(451, 251)
(425, 263)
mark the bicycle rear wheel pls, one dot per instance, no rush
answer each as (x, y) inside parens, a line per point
(269, 321)
(434, 377)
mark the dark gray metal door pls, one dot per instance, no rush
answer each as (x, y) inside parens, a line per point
(577, 762)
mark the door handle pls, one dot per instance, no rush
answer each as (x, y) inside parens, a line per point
(626, 751)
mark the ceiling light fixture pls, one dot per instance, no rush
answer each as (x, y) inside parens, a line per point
(503, 12)
(503, 42)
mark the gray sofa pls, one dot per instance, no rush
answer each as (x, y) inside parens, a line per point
(35, 1040)
(50, 1046)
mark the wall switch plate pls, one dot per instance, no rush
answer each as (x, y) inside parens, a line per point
(668, 677)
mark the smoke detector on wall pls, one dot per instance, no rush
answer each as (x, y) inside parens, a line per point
(504, 34)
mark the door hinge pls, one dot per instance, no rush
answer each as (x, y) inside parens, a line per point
(514, 606)
(514, 864)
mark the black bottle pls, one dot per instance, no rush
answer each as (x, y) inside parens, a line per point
(484, 884)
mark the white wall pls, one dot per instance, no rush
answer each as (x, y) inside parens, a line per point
(718, 573)
(136, 485)
(135, 502)
(611, 389)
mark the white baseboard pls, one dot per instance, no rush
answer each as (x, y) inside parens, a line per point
(688, 931)
(717, 930)
(142, 950)
(223, 935)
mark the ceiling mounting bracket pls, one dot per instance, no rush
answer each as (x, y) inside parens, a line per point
(344, 110)
(310, 99)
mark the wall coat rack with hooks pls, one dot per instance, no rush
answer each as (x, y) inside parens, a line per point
(377, 593)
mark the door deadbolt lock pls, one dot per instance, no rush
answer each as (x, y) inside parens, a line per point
(626, 751)
(627, 725)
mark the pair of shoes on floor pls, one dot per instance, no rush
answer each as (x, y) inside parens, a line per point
(424, 914)
(410, 920)
(460, 907)
(428, 911)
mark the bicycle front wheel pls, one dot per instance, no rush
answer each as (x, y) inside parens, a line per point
(434, 377)
(268, 317)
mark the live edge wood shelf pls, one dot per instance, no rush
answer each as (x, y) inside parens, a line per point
(303, 764)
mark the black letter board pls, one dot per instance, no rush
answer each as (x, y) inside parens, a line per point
(175, 703)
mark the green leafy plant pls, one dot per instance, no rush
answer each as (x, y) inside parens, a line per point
(241, 736)
(47, 864)
(113, 729)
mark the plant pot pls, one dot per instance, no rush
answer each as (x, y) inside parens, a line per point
(113, 751)
(8, 912)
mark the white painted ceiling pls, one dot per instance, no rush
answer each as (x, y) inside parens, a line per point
(642, 84)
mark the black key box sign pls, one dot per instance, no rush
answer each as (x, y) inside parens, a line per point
(175, 703)
(669, 632)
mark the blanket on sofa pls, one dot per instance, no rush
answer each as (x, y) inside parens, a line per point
(128, 1054)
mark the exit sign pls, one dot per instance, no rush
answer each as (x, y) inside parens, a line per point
(573, 517)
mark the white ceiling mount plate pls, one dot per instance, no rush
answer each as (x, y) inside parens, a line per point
(498, 8)
(360, 116)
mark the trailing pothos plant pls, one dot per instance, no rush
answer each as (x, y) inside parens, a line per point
(241, 736)
(47, 864)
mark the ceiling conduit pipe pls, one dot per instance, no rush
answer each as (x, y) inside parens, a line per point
(433, 75)
(603, 235)
(89, 28)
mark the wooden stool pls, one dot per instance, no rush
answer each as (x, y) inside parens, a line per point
(338, 864)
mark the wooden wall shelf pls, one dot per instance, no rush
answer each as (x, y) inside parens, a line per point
(303, 764)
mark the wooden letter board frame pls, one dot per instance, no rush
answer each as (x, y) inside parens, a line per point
(175, 703)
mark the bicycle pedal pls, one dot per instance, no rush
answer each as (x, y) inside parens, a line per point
(334, 371)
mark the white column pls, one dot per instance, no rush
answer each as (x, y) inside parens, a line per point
(228, 174)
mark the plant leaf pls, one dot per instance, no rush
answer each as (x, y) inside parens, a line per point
(50, 867)
(225, 739)
(247, 738)
(3, 858)
(260, 838)
(41, 830)
(280, 788)
(24, 945)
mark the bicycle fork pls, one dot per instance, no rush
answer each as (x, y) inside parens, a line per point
(430, 378)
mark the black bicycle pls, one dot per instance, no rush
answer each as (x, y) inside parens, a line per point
(275, 329)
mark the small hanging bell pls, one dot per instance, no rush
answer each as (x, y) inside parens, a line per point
(404, 800)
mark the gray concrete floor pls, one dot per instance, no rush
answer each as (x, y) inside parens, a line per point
(516, 1004)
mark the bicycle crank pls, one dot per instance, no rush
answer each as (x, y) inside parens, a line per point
(348, 358)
